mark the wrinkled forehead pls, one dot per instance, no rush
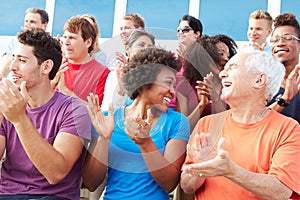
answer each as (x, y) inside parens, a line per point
(239, 58)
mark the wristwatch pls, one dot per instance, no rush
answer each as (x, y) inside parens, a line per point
(280, 101)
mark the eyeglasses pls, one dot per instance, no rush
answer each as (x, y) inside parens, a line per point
(184, 29)
(285, 38)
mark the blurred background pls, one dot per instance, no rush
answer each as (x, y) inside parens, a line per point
(228, 17)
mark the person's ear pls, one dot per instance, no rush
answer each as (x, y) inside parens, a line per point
(47, 66)
(261, 80)
(89, 42)
(197, 34)
(270, 31)
(44, 26)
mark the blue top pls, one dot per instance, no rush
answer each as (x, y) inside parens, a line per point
(292, 110)
(128, 176)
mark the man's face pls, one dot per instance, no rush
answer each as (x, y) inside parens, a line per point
(33, 20)
(185, 33)
(286, 51)
(237, 81)
(126, 28)
(74, 47)
(258, 31)
(25, 66)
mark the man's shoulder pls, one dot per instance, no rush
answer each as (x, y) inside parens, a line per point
(68, 100)
(95, 65)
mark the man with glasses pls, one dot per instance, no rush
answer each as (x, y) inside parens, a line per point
(286, 48)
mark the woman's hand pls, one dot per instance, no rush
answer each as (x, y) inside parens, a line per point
(138, 129)
(104, 125)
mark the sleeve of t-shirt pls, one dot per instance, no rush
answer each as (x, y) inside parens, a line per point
(286, 159)
(101, 85)
(180, 127)
(76, 120)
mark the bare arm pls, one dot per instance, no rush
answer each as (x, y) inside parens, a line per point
(195, 115)
(96, 162)
(198, 150)
(2, 146)
(95, 166)
(292, 87)
(164, 168)
(263, 185)
(38, 150)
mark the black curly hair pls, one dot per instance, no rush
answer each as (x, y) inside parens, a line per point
(44, 47)
(287, 19)
(144, 67)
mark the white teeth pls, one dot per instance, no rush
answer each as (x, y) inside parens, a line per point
(167, 99)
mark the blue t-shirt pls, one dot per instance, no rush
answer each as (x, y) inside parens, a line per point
(128, 176)
(292, 110)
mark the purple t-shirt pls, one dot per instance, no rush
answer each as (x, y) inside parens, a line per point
(18, 174)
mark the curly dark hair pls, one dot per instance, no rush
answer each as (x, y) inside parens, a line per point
(144, 67)
(287, 19)
(44, 47)
(197, 62)
(199, 58)
(230, 43)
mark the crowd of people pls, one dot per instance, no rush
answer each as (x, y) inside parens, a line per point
(210, 120)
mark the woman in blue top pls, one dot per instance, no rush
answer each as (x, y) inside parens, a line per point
(141, 145)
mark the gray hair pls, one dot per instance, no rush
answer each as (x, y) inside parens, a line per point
(262, 62)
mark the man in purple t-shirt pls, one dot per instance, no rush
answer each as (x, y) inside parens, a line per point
(42, 131)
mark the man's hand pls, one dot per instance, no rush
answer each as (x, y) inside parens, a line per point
(63, 67)
(217, 162)
(292, 84)
(12, 101)
(258, 46)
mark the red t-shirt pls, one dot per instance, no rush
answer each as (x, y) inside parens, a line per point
(83, 79)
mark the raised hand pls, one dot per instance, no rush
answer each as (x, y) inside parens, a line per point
(201, 148)
(218, 164)
(104, 125)
(121, 57)
(13, 101)
(137, 128)
(63, 67)
(120, 72)
(292, 84)
(258, 46)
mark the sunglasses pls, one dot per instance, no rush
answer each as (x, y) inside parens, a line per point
(184, 29)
